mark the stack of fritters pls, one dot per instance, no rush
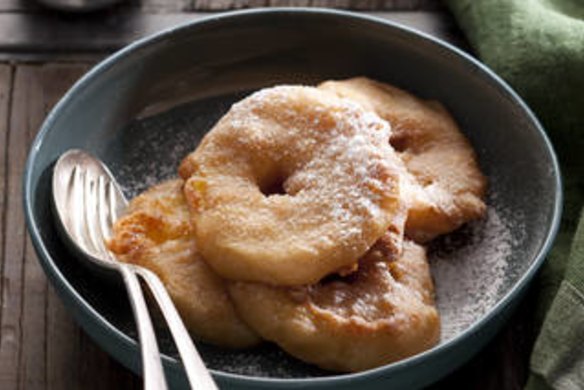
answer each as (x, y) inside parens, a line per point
(301, 218)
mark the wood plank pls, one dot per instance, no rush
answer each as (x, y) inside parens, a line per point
(27, 112)
(62, 36)
(17, 5)
(6, 376)
(98, 34)
(165, 6)
(13, 251)
(5, 87)
(370, 5)
(173, 6)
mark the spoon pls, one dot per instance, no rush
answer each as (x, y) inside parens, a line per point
(88, 200)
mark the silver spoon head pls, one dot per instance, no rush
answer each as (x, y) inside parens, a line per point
(87, 200)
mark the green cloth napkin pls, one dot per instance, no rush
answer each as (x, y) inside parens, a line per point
(537, 46)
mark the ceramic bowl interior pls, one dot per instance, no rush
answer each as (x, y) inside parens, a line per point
(146, 107)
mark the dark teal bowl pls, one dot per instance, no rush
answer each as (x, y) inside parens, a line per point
(146, 106)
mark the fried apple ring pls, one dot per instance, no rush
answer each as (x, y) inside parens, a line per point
(382, 313)
(156, 233)
(445, 187)
(292, 184)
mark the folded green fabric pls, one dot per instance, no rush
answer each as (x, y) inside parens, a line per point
(537, 46)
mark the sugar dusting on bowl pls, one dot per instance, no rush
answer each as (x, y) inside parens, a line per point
(469, 269)
(152, 148)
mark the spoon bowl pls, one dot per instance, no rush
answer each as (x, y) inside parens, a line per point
(86, 195)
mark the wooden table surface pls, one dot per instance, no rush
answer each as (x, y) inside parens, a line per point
(42, 52)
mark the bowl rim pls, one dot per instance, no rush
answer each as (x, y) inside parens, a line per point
(57, 277)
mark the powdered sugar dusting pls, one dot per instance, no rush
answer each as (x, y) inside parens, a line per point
(155, 170)
(349, 188)
(469, 269)
(265, 360)
(151, 149)
(333, 156)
